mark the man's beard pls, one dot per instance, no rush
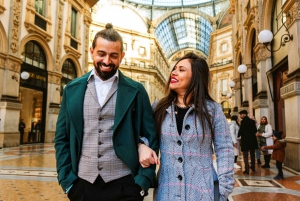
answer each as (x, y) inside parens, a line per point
(105, 75)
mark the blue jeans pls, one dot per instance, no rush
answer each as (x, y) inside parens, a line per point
(258, 151)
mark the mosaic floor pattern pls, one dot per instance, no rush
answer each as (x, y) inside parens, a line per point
(28, 172)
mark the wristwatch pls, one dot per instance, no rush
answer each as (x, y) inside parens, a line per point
(143, 140)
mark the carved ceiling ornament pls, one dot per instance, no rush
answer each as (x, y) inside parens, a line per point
(15, 26)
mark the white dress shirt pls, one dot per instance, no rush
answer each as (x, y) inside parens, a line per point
(103, 87)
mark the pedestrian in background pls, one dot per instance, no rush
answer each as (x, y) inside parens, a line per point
(247, 133)
(264, 138)
(234, 129)
(278, 152)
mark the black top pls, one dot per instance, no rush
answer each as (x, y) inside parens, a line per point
(180, 113)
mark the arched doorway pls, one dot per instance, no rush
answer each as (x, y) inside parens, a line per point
(33, 93)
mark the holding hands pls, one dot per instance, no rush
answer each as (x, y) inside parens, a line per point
(147, 156)
(258, 134)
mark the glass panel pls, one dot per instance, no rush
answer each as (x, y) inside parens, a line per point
(39, 7)
(73, 22)
(169, 3)
(34, 55)
(185, 30)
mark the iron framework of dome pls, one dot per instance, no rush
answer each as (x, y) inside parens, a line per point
(189, 27)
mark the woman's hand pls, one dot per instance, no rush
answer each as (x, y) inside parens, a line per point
(147, 156)
(262, 148)
(258, 134)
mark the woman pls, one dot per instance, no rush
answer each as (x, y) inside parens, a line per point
(234, 129)
(188, 121)
(264, 138)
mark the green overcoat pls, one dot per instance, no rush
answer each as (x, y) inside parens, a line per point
(133, 118)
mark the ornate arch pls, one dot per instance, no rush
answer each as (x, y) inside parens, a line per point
(248, 44)
(74, 60)
(44, 45)
(3, 39)
(190, 10)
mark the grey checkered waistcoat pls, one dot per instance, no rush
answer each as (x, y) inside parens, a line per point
(98, 155)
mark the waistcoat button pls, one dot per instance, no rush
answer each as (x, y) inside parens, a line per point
(99, 130)
(100, 168)
(179, 142)
(100, 118)
(187, 127)
(99, 143)
(99, 155)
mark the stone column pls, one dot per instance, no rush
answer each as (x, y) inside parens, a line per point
(10, 65)
(290, 92)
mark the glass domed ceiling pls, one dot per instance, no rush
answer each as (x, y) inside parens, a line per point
(170, 3)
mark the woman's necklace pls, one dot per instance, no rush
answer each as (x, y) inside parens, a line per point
(178, 107)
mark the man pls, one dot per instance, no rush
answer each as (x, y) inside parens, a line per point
(247, 133)
(21, 129)
(103, 114)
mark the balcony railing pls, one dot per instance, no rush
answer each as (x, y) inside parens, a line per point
(145, 67)
(40, 22)
(221, 63)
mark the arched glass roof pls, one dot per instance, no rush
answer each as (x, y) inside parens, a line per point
(184, 30)
(170, 3)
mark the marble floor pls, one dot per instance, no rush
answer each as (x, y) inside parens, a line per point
(28, 172)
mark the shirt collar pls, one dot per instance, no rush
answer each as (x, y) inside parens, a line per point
(97, 79)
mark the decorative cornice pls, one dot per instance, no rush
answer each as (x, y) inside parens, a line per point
(290, 90)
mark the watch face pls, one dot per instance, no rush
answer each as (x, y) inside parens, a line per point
(142, 192)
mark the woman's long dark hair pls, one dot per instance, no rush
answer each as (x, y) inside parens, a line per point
(197, 89)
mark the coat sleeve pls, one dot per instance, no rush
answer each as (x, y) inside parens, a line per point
(224, 152)
(146, 176)
(268, 131)
(62, 148)
(274, 146)
(232, 133)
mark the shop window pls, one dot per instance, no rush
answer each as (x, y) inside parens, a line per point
(34, 55)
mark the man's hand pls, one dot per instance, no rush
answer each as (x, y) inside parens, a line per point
(147, 156)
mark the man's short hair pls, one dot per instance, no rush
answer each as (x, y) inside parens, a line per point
(243, 112)
(110, 34)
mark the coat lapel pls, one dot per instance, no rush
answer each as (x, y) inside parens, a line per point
(75, 93)
(127, 91)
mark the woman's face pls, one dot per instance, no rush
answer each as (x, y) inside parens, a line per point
(263, 120)
(181, 77)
